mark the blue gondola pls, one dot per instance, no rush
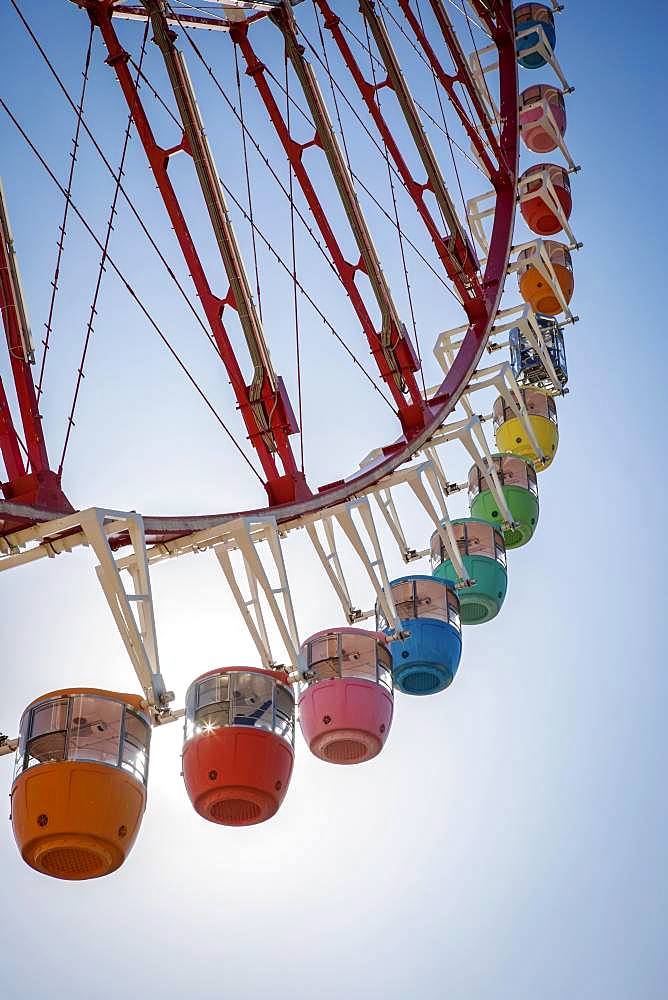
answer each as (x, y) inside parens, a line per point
(529, 43)
(428, 608)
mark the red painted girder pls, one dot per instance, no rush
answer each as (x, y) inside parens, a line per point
(409, 411)
(279, 486)
(448, 81)
(415, 189)
(464, 75)
(9, 442)
(39, 484)
(164, 528)
(20, 365)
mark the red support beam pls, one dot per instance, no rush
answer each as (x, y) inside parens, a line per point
(266, 410)
(462, 76)
(35, 483)
(455, 253)
(165, 528)
(9, 440)
(394, 354)
(20, 354)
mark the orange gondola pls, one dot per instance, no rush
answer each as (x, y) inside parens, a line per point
(537, 285)
(79, 791)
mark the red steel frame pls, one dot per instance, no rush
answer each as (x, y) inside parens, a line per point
(444, 401)
(464, 77)
(281, 487)
(397, 357)
(454, 250)
(32, 482)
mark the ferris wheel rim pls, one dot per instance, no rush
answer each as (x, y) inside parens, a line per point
(15, 515)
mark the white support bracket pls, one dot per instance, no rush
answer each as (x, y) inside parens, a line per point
(479, 61)
(530, 329)
(332, 565)
(140, 637)
(506, 385)
(500, 377)
(385, 500)
(479, 209)
(93, 528)
(418, 477)
(436, 478)
(245, 534)
(543, 48)
(372, 560)
(486, 60)
(449, 342)
(472, 436)
(549, 123)
(521, 316)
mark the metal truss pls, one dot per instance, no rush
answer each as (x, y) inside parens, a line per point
(391, 347)
(264, 405)
(453, 247)
(260, 585)
(230, 12)
(30, 477)
(289, 498)
(94, 528)
(244, 536)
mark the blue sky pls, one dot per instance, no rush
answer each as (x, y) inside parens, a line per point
(510, 840)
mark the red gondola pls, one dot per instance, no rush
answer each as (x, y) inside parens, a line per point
(239, 744)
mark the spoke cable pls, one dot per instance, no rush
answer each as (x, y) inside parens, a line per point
(421, 55)
(63, 226)
(471, 20)
(267, 242)
(133, 294)
(100, 273)
(482, 72)
(116, 178)
(420, 107)
(307, 118)
(358, 180)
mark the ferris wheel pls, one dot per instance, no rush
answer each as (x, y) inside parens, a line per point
(410, 114)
